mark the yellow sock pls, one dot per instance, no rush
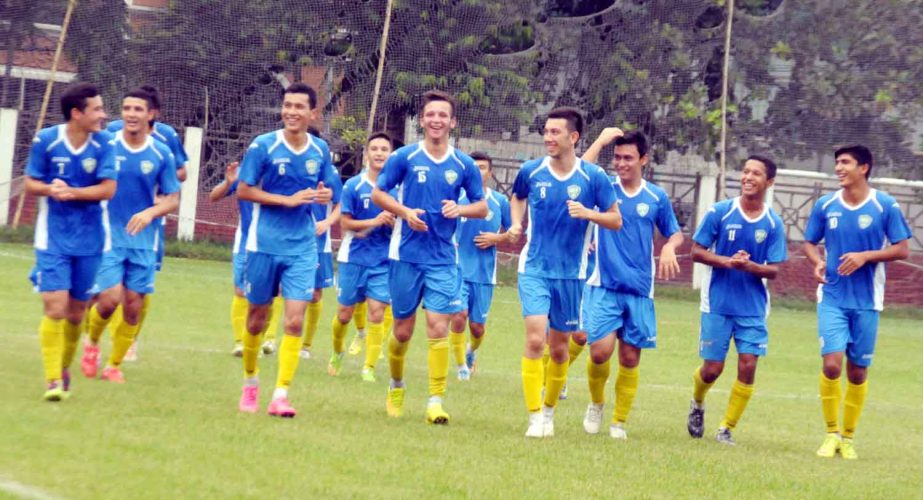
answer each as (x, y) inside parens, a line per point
(701, 388)
(96, 324)
(145, 307)
(72, 333)
(239, 308)
(438, 358)
(360, 313)
(532, 375)
(554, 381)
(737, 403)
(457, 340)
(852, 408)
(396, 352)
(597, 375)
(251, 353)
(115, 319)
(51, 336)
(373, 340)
(831, 393)
(476, 341)
(573, 349)
(388, 320)
(123, 336)
(626, 386)
(546, 357)
(311, 319)
(273, 317)
(339, 334)
(288, 360)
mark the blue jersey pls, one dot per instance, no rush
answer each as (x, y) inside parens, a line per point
(844, 228)
(245, 208)
(557, 244)
(725, 230)
(625, 258)
(163, 133)
(477, 265)
(273, 165)
(423, 182)
(70, 227)
(143, 172)
(321, 212)
(370, 250)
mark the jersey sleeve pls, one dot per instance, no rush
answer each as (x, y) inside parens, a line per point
(168, 182)
(707, 232)
(778, 249)
(37, 166)
(521, 183)
(604, 193)
(105, 163)
(392, 173)
(346, 200)
(814, 231)
(506, 219)
(473, 184)
(332, 178)
(666, 217)
(179, 151)
(896, 228)
(254, 164)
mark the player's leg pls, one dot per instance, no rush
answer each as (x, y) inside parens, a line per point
(83, 277)
(535, 300)
(751, 338)
(350, 290)
(480, 296)
(457, 325)
(600, 318)
(238, 304)
(863, 328)
(377, 304)
(405, 284)
(442, 299)
(138, 282)
(109, 279)
(261, 281)
(639, 332)
(714, 341)
(52, 278)
(323, 279)
(296, 277)
(360, 314)
(833, 334)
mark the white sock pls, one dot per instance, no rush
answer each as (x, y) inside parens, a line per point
(434, 400)
(252, 381)
(280, 392)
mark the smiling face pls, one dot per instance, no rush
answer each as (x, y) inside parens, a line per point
(136, 114)
(376, 152)
(753, 179)
(484, 168)
(849, 172)
(437, 120)
(92, 117)
(627, 163)
(296, 112)
(559, 141)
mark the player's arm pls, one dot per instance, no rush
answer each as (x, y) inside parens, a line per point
(610, 219)
(181, 173)
(256, 194)
(705, 256)
(105, 190)
(331, 219)
(165, 204)
(476, 210)
(517, 214)
(359, 225)
(852, 261)
(668, 267)
(222, 189)
(813, 254)
(605, 138)
(387, 202)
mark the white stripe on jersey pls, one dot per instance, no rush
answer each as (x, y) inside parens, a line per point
(704, 304)
(107, 228)
(251, 233)
(879, 282)
(394, 252)
(238, 235)
(594, 279)
(343, 253)
(584, 251)
(41, 225)
(523, 255)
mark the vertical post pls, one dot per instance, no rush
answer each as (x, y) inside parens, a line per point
(724, 99)
(8, 119)
(708, 194)
(185, 228)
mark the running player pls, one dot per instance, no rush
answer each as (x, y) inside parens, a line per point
(429, 177)
(855, 223)
(71, 168)
(560, 192)
(618, 302)
(742, 241)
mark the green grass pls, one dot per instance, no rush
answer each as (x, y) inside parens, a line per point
(174, 430)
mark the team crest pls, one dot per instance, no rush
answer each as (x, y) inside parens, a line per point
(89, 165)
(573, 191)
(147, 167)
(643, 209)
(451, 176)
(312, 166)
(760, 235)
(865, 221)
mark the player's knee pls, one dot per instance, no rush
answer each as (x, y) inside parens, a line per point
(477, 329)
(344, 314)
(856, 374)
(535, 344)
(600, 356)
(559, 353)
(579, 338)
(294, 324)
(711, 370)
(832, 368)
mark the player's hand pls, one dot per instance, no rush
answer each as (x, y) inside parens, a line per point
(321, 227)
(820, 271)
(232, 172)
(138, 222)
(514, 233)
(299, 198)
(851, 262)
(610, 134)
(739, 260)
(450, 209)
(485, 240)
(412, 216)
(385, 218)
(60, 191)
(668, 267)
(322, 195)
(578, 211)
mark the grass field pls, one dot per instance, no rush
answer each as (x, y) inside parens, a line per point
(174, 431)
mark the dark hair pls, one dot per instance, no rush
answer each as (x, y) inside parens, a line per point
(312, 130)
(482, 156)
(635, 137)
(767, 162)
(155, 95)
(438, 95)
(302, 88)
(573, 116)
(75, 97)
(381, 135)
(141, 93)
(860, 153)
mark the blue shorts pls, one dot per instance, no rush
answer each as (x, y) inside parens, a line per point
(558, 299)
(476, 298)
(161, 244)
(716, 331)
(632, 316)
(357, 282)
(265, 274)
(238, 264)
(851, 330)
(323, 278)
(436, 285)
(134, 268)
(76, 274)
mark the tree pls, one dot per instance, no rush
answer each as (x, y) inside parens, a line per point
(22, 34)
